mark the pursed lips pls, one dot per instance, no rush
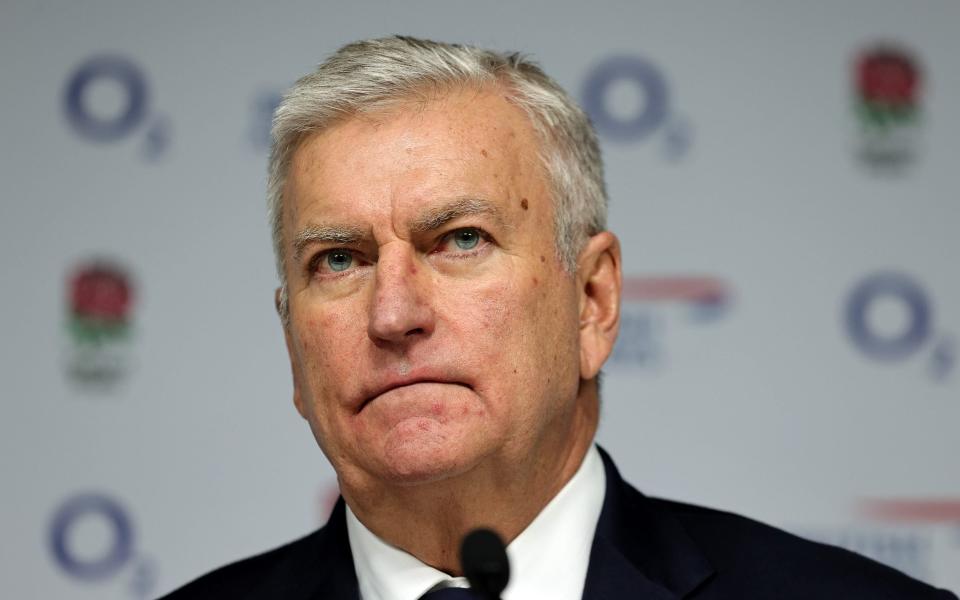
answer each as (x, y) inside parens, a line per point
(372, 393)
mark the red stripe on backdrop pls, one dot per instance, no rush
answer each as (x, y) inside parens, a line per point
(946, 510)
(659, 289)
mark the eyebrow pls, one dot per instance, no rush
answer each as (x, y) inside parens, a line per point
(318, 234)
(435, 218)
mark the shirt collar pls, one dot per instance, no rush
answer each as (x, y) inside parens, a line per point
(548, 559)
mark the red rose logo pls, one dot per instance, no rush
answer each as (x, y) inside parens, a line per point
(100, 292)
(99, 307)
(887, 76)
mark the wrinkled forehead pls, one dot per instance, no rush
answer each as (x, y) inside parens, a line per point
(465, 143)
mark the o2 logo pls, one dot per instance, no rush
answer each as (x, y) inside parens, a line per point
(606, 98)
(915, 333)
(74, 529)
(90, 103)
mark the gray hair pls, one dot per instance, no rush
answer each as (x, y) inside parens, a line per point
(371, 75)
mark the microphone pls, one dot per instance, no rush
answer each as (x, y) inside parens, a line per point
(483, 558)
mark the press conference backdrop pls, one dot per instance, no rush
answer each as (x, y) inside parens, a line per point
(782, 176)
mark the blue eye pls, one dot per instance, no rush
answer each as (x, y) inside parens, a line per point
(466, 239)
(339, 260)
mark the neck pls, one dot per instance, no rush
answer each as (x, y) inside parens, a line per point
(505, 494)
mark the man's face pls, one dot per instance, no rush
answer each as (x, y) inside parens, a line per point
(432, 328)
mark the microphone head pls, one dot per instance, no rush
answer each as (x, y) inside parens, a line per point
(483, 558)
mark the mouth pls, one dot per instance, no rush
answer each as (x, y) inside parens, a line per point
(372, 394)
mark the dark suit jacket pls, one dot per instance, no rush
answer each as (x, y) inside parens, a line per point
(644, 548)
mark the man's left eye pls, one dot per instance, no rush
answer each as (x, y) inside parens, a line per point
(466, 239)
(461, 240)
(339, 260)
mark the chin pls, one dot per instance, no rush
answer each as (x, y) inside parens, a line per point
(423, 451)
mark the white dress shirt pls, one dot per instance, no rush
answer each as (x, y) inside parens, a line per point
(547, 560)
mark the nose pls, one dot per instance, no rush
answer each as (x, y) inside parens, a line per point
(400, 311)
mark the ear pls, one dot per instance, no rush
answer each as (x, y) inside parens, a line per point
(599, 280)
(297, 397)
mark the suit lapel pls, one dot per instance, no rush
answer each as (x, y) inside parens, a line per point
(639, 551)
(337, 577)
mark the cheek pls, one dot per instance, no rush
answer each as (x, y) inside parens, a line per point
(494, 312)
(548, 325)
(475, 324)
(328, 347)
(517, 328)
(530, 355)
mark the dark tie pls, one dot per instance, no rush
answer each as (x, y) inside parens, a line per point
(450, 593)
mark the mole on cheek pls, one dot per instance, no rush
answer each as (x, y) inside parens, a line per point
(523, 204)
(536, 281)
(483, 152)
(543, 258)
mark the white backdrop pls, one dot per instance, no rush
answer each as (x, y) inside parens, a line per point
(789, 340)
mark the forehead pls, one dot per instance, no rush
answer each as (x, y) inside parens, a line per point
(466, 143)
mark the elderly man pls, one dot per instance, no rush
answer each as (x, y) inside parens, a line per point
(449, 294)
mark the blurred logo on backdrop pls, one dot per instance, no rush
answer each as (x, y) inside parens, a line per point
(888, 106)
(628, 100)
(933, 523)
(889, 318)
(906, 549)
(655, 306)
(92, 540)
(919, 536)
(106, 99)
(100, 300)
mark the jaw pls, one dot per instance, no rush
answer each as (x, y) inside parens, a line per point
(427, 514)
(413, 434)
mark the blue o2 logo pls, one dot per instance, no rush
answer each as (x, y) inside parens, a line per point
(71, 515)
(646, 79)
(83, 117)
(99, 120)
(909, 295)
(915, 331)
(91, 539)
(649, 115)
